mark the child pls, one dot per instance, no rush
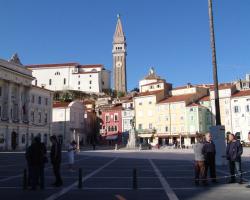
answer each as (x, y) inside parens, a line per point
(71, 154)
(199, 161)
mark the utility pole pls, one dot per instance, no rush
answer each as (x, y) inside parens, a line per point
(215, 76)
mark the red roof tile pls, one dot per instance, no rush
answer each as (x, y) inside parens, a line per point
(159, 81)
(242, 93)
(52, 65)
(60, 104)
(177, 98)
(223, 86)
(147, 93)
(205, 98)
(91, 66)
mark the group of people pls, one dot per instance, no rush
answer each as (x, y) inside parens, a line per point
(205, 152)
(36, 156)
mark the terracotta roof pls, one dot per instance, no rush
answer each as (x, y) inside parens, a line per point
(42, 88)
(52, 65)
(158, 81)
(193, 104)
(205, 98)
(223, 86)
(115, 107)
(60, 104)
(176, 98)
(242, 93)
(147, 93)
(91, 66)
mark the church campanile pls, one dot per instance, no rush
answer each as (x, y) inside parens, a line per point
(119, 58)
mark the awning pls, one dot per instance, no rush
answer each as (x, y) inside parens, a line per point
(111, 137)
(145, 135)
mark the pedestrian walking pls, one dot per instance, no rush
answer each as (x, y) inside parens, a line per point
(199, 161)
(55, 156)
(35, 156)
(233, 152)
(209, 151)
(71, 154)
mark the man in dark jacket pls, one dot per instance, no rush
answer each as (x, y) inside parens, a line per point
(234, 151)
(35, 156)
(209, 152)
(55, 156)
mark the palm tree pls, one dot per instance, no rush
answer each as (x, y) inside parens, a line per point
(215, 76)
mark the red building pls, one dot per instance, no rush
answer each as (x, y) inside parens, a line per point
(111, 125)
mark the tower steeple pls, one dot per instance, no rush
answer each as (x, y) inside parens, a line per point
(119, 58)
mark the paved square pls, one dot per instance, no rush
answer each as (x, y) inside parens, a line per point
(111, 177)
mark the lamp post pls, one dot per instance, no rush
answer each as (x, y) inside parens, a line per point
(214, 61)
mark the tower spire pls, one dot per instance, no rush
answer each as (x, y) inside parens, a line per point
(119, 34)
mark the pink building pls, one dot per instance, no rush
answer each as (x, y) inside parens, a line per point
(112, 123)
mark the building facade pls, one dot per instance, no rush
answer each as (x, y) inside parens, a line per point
(25, 110)
(128, 114)
(119, 58)
(68, 122)
(71, 76)
(111, 125)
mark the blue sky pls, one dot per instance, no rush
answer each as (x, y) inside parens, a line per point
(170, 35)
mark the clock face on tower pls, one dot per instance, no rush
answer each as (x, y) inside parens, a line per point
(118, 64)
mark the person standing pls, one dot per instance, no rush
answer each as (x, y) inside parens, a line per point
(233, 152)
(199, 161)
(209, 151)
(55, 156)
(35, 157)
(71, 154)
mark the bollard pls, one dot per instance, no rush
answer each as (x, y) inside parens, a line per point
(80, 178)
(134, 179)
(25, 184)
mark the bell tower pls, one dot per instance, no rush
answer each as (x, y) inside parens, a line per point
(119, 58)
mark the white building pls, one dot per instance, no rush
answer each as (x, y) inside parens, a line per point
(25, 110)
(240, 109)
(68, 121)
(128, 114)
(71, 76)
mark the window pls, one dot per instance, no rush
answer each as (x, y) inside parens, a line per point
(39, 100)
(46, 101)
(79, 82)
(112, 128)
(90, 82)
(39, 117)
(50, 82)
(79, 76)
(90, 87)
(116, 117)
(115, 128)
(0, 111)
(64, 81)
(35, 82)
(182, 117)
(23, 139)
(33, 99)
(0, 91)
(150, 102)
(150, 125)
(46, 118)
(89, 75)
(248, 108)
(236, 109)
(32, 116)
(109, 129)
(140, 103)
(191, 109)
(158, 86)
(166, 129)
(140, 126)
(192, 118)
(57, 73)
(107, 118)
(235, 100)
